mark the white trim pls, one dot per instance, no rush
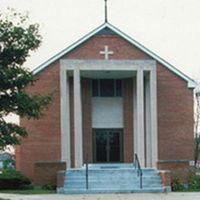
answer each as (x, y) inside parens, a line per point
(191, 83)
(108, 65)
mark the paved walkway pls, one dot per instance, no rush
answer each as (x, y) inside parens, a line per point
(163, 196)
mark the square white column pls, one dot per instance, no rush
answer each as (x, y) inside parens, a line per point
(65, 117)
(135, 143)
(153, 108)
(78, 137)
(148, 121)
(140, 117)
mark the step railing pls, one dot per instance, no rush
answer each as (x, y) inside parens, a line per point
(138, 168)
(86, 172)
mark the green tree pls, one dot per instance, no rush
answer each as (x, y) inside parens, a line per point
(18, 37)
(196, 127)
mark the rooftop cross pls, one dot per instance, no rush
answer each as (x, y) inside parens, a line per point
(106, 12)
(106, 52)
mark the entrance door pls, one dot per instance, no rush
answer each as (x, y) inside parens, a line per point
(107, 145)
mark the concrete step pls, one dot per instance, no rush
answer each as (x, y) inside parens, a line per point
(103, 190)
(111, 186)
(111, 178)
(111, 174)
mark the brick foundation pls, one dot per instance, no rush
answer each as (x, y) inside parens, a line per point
(60, 178)
(165, 176)
(46, 172)
(180, 169)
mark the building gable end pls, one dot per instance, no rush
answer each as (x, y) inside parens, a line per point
(108, 29)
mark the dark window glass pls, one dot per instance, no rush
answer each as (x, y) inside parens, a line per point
(107, 87)
(118, 88)
(108, 146)
(101, 144)
(114, 146)
(95, 88)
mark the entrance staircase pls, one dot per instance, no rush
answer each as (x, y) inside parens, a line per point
(111, 178)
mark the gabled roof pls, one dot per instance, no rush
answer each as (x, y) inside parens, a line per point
(110, 29)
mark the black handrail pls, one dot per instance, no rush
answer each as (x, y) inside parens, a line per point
(139, 169)
(86, 172)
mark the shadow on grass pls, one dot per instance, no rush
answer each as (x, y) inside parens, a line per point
(29, 191)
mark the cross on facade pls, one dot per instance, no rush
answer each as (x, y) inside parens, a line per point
(106, 53)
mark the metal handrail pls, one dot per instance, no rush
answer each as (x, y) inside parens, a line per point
(139, 169)
(86, 172)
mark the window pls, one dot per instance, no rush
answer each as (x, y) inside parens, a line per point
(106, 87)
(95, 88)
(118, 88)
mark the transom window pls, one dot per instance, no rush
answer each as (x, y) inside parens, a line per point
(106, 87)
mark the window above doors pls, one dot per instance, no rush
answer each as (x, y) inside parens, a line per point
(106, 87)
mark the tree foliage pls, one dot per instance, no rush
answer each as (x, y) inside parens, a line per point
(18, 38)
(196, 128)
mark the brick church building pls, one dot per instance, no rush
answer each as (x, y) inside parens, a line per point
(113, 98)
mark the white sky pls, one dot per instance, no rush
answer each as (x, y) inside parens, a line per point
(170, 28)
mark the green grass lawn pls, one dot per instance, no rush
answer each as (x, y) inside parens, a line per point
(29, 191)
(3, 199)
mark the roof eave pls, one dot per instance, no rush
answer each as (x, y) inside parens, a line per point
(68, 49)
(191, 83)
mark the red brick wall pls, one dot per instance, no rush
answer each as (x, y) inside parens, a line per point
(128, 119)
(175, 117)
(122, 49)
(87, 120)
(43, 142)
(175, 110)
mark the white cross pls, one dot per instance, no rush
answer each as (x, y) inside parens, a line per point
(106, 53)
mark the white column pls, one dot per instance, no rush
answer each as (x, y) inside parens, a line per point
(153, 107)
(78, 119)
(148, 122)
(135, 116)
(65, 118)
(140, 117)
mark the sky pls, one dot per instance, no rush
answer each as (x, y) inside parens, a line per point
(169, 28)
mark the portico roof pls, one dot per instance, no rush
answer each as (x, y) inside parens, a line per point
(107, 26)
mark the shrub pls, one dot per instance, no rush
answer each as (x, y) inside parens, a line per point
(194, 181)
(9, 164)
(12, 179)
(177, 185)
(49, 187)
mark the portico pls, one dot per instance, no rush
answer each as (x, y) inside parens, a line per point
(143, 76)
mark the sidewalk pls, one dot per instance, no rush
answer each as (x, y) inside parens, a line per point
(136, 196)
